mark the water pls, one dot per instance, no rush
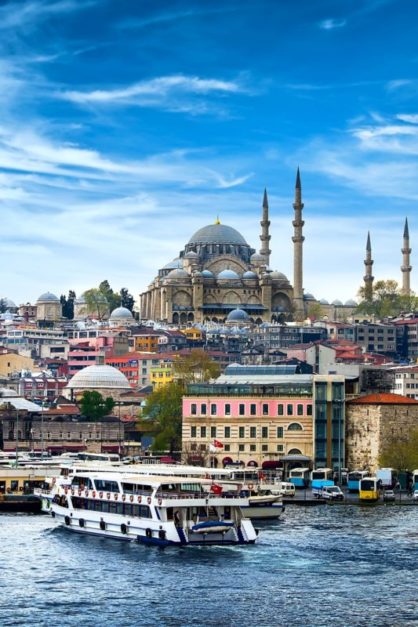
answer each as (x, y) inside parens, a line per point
(319, 566)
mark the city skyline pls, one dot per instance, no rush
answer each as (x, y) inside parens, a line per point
(125, 129)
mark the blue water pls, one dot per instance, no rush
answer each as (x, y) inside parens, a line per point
(319, 566)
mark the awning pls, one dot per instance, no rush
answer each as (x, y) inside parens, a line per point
(272, 464)
(21, 404)
(296, 458)
(167, 460)
(227, 460)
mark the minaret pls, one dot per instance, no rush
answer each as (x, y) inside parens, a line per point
(406, 267)
(265, 235)
(298, 240)
(368, 277)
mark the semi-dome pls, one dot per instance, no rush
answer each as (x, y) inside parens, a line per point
(337, 303)
(121, 313)
(323, 301)
(238, 315)
(178, 274)
(257, 257)
(217, 234)
(172, 265)
(278, 276)
(207, 274)
(249, 275)
(351, 303)
(99, 377)
(191, 255)
(47, 297)
(228, 274)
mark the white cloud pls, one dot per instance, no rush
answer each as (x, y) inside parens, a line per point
(15, 15)
(332, 23)
(411, 118)
(399, 83)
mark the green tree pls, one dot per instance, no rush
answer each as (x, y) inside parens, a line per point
(315, 311)
(3, 305)
(164, 408)
(126, 299)
(196, 366)
(94, 406)
(112, 299)
(96, 303)
(68, 305)
(387, 301)
(401, 454)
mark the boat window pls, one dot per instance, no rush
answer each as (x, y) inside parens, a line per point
(82, 482)
(106, 485)
(132, 488)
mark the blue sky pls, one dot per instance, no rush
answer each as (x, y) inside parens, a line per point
(126, 126)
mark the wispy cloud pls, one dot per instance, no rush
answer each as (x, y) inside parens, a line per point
(16, 15)
(398, 83)
(173, 16)
(412, 118)
(331, 24)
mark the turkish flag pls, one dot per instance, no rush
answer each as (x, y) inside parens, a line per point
(216, 489)
(217, 444)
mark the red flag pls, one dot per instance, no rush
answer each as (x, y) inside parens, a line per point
(215, 488)
(217, 444)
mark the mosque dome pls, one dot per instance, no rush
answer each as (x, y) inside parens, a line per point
(257, 258)
(121, 313)
(337, 303)
(172, 265)
(228, 274)
(178, 273)
(47, 297)
(207, 274)
(323, 301)
(278, 276)
(99, 377)
(308, 296)
(249, 275)
(217, 234)
(351, 303)
(238, 315)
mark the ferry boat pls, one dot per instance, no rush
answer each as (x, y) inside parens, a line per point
(152, 510)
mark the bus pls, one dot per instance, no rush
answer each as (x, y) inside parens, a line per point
(388, 477)
(369, 489)
(299, 477)
(354, 478)
(321, 477)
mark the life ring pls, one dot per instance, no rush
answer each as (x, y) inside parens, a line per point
(94, 494)
(65, 490)
(149, 500)
(79, 492)
(86, 492)
(207, 476)
(116, 496)
(123, 497)
(160, 501)
(101, 495)
(139, 499)
(131, 498)
(108, 495)
(72, 492)
(250, 486)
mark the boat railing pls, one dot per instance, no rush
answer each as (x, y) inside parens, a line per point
(195, 495)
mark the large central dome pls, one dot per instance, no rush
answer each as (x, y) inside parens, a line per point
(217, 234)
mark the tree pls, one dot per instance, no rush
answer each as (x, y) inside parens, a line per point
(112, 299)
(96, 303)
(387, 301)
(401, 454)
(3, 305)
(315, 311)
(126, 299)
(94, 406)
(196, 366)
(68, 305)
(164, 408)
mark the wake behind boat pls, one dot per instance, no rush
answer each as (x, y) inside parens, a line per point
(151, 509)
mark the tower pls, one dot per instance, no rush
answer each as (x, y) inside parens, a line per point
(368, 277)
(298, 240)
(265, 235)
(406, 267)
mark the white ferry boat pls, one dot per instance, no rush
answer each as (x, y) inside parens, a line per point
(151, 509)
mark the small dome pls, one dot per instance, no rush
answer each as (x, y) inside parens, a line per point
(351, 303)
(238, 315)
(308, 296)
(278, 276)
(228, 274)
(217, 234)
(323, 301)
(337, 303)
(178, 274)
(99, 377)
(257, 258)
(191, 255)
(47, 297)
(249, 275)
(172, 265)
(207, 274)
(121, 313)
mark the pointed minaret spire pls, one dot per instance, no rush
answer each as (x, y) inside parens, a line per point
(298, 240)
(406, 262)
(368, 277)
(265, 234)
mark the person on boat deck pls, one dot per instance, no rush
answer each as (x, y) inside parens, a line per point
(177, 518)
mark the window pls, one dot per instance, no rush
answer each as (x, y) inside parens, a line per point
(280, 410)
(264, 432)
(213, 410)
(242, 432)
(202, 432)
(253, 409)
(227, 409)
(279, 432)
(253, 432)
(213, 432)
(300, 410)
(264, 447)
(294, 451)
(193, 433)
(290, 410)
(227, 432)
(227, 447)
(242, 410)
(241, 447)
(203, 409)
(253, 448)
(265, 409)
(280, 448)
(193, 409)
(309, 410)
(295, 426)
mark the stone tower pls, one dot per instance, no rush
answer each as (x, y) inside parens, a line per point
(406, 267)
(298, 240)
(265, 235)
(368, 277)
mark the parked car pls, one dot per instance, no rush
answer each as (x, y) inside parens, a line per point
(389, 495)
(329, 493)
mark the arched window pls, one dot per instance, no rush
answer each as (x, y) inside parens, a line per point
(295, 426)
(294, 451)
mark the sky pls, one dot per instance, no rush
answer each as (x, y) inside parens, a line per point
(126, 126)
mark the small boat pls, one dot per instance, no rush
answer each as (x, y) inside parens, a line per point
(262, 504)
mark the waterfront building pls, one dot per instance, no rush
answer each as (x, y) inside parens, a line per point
(373, 421)
(261, 414)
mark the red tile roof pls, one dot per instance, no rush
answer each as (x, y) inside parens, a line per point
(383, 399)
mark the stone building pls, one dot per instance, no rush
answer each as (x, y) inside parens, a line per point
(48, 308)
(106, 380)
(374, 420)
(218, 271)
